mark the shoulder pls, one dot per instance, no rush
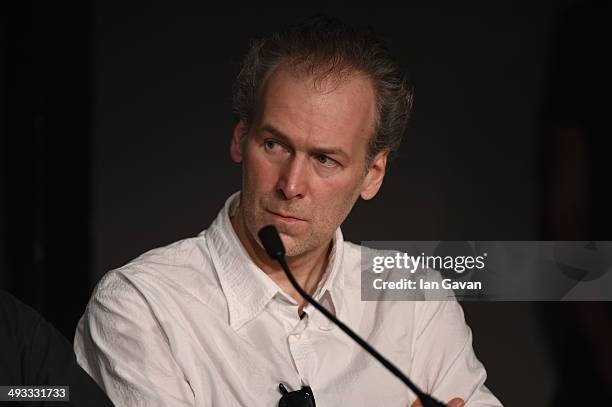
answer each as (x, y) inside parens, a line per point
(18, 320)
(174, 277)
(357, 264)
(373, 275)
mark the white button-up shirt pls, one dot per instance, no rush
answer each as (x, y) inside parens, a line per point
(197, 323)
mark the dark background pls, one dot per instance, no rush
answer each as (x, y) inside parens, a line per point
(116, 122)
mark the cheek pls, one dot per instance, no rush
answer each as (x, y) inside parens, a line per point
(337, 197)
(260, 172)
(339, 188)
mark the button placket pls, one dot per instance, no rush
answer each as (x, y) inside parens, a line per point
(304, 356)
(294, 342)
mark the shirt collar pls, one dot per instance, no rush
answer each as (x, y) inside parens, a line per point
(246, 287)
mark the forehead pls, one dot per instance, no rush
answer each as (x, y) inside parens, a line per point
(330, 110)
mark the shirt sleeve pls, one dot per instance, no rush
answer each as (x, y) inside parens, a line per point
(120, 343)
(444, 358)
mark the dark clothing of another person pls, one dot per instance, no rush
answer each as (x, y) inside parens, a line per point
(34, 353)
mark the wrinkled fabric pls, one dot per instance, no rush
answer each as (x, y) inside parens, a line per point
(197, 323)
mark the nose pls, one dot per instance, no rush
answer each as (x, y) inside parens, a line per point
(292, 182)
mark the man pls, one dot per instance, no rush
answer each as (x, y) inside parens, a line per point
(212, 321)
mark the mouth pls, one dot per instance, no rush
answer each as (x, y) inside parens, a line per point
(285, 217)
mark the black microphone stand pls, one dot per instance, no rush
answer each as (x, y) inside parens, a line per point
(274, 247)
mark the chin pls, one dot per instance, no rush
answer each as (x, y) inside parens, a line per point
(296, 248)
(291, 247)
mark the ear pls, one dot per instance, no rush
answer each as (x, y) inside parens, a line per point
(374, 178)
(236, 146)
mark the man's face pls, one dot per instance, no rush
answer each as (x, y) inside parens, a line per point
(304, 158)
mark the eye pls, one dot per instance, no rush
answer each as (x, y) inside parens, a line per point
(272, 146)
(326, 161)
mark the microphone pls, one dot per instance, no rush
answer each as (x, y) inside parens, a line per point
(274, 247)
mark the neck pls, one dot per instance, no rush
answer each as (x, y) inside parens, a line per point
(307, 268)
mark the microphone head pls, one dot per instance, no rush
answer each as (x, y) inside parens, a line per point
(272, 242)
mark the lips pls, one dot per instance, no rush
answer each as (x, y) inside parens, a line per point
(285, 215)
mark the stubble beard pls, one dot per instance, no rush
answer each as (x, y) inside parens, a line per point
(294, 245)
(319, 231)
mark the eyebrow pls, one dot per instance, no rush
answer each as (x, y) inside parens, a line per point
(335, 151)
